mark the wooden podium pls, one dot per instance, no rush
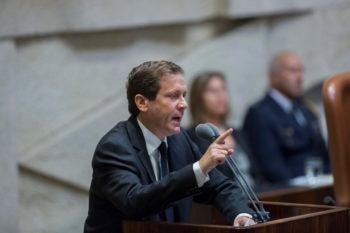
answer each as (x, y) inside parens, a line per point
(285, 218)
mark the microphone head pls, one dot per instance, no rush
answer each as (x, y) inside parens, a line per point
(214, 129)
(207, 131)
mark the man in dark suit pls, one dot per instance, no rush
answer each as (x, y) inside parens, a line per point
(282, 128)
(147, 168)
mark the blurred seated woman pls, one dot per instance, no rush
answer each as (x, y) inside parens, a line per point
(209, 102)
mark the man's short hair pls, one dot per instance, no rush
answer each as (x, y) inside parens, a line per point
(144, 79)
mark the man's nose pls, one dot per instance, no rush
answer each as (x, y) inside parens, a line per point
(300, 76)
(183, 103)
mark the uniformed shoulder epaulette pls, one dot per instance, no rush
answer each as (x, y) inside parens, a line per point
(311, 107)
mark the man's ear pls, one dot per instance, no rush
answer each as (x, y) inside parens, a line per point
(274, 81)
(141, 102)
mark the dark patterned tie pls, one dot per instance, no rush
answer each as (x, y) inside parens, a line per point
(298, 113)
(168, 214)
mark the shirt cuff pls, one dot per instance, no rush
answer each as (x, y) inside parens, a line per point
(243, 215)
(201, 178)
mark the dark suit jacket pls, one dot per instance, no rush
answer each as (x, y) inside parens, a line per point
(124, 187)
(279, 144)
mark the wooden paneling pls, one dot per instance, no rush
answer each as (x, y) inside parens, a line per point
(336, 96)
(286, 218)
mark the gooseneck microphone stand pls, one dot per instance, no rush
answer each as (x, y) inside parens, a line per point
(210, 132)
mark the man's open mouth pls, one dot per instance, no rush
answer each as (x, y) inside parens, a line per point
(176, 118)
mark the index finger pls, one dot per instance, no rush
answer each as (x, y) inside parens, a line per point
(223, 136)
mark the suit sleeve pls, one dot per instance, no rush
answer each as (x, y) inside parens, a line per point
(117, 178)
(264, 143)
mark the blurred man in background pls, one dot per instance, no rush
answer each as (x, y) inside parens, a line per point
(282, 127)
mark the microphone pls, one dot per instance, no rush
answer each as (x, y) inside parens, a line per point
(209, 131)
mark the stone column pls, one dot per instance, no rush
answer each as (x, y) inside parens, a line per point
(9, 220)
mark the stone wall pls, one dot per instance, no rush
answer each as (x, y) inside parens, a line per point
(34, 17)
(320, 37)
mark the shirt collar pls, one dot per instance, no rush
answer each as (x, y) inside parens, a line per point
(282, 100)
(152, 141)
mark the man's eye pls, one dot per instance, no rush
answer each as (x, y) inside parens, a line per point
(173, 95)
(177, 95)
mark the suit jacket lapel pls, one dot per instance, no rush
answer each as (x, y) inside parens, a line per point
(138, 141)
(283, 115)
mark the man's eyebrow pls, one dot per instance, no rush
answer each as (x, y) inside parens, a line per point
(176, 90)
